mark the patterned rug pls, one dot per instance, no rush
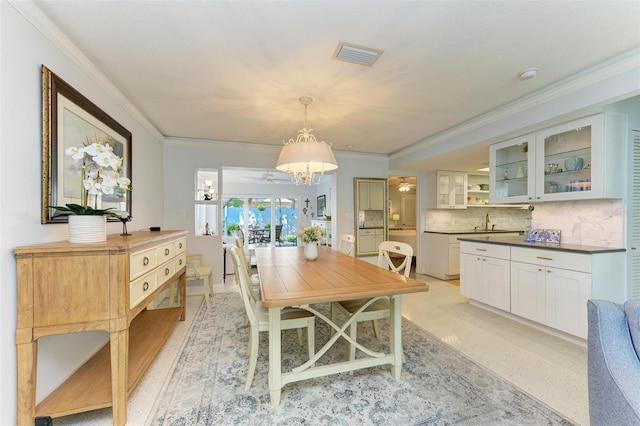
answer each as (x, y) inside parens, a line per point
(439, 385)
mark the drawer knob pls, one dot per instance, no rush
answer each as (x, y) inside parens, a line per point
(166, 252)
(166, 271)
(145, 286)
(180, 245)
(145, 261)
(180, 262)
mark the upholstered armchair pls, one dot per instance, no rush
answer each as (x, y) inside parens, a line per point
(613, 364)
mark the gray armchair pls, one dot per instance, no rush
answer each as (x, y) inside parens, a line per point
(613, 364)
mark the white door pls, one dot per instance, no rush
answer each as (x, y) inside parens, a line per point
(567, 293)
(496, 278)
(471, 276)
(408, 210)
(527, 291)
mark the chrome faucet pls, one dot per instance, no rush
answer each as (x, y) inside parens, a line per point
(486, 222)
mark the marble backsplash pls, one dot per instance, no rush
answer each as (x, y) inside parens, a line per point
(585, 222)
(460, 220)
(590, 223)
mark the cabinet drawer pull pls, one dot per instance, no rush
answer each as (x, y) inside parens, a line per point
(544, 258)
(145, 286)
(180, 262)
(180, 245)
(166, 252)
(479, 249)
(166, 271)
(145, 261)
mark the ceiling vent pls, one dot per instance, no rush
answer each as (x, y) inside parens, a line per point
(356, 54)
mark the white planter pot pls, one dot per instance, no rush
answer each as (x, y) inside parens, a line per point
(311, 250)
(87, 229)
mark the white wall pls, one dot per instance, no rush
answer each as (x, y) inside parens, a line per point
(184, 156)
(23, 49)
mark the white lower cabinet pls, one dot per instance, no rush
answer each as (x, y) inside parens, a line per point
(485, 274)
(550, 287)
(554, 296)
(369, 240)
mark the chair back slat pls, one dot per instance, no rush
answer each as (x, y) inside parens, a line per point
(398, 248)
(347, 243)
(244, 284)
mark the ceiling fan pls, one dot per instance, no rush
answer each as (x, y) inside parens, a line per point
(405, 186)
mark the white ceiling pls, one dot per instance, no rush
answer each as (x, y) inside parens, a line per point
(234, 70)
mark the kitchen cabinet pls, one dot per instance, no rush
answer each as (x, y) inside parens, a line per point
(371, 195)
(369, 240)
(576, 160)
(371, 221)
(485, 274)
(548, 286)
(551, 288)
(441, 253)
(477, 190)
(446, 190)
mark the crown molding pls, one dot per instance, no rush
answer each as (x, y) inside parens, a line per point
(624, 63)
(43, 24)
(263, 148)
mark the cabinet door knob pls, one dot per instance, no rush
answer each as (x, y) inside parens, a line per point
(145, 261)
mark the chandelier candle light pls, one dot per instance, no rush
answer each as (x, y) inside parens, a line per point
(306, 159)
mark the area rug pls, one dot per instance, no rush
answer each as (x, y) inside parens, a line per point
(439, 385)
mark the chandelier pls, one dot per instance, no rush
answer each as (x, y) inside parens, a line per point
(306, 159)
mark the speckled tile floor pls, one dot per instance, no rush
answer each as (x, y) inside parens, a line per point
(546, 367)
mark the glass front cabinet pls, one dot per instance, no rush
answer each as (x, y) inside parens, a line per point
(581, 159)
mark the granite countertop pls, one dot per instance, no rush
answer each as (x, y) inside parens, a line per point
(471, 231)
(519, 242)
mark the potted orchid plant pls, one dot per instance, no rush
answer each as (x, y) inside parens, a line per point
(100, 171)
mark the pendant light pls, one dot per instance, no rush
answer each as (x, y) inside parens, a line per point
(306, 159)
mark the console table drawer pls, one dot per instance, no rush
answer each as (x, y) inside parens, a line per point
(166, 252)
(141, 288)
(180, 260)
(142, 262)
(165, 271)
(181, 246)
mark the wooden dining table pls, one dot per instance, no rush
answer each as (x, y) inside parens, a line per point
(288, 279)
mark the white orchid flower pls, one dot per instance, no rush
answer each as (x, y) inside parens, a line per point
(103, 159)
(124, 182)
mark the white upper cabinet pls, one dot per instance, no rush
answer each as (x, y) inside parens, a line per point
(447, 190)
(371, 195)
(581, 159)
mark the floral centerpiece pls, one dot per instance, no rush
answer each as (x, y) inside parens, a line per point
(100, 172)
(310, 237)
(311, 234)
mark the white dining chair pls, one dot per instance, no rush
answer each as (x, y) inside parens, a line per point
(388, 250)
(347, 243)
(255, 279)
(258, 315)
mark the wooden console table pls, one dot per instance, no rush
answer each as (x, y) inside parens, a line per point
(68, 288)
